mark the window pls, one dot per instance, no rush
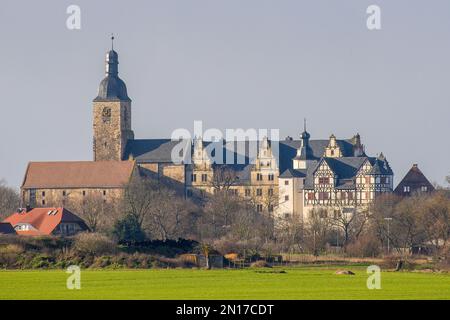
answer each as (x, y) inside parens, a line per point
(311, 196)
(367, 180)
(43, 202)
(204, 177)
(350, 195)
(384, 180)
(270, 207)
(271, 177)
(259, 207)
(259, 192)
(286, 198)
(424, 188)
(84, 193)
(32, 197)
(406, 189)
(247, 192)
(323, 195)
(286, 182)
(270, 192)
(258, 177)
(193, 177)
(104, 192)
(64, 193)
(43, 193)
(324, 180)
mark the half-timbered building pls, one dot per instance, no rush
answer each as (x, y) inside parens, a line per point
(335, 175)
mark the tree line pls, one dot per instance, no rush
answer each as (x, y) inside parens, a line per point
(150, 210)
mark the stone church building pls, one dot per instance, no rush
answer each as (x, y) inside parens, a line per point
(290, 180)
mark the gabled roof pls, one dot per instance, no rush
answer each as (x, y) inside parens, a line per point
(6, 228)
(78, 174)
(345, 168)
(414, 179)
(292, 173)
(43, 222)
(288, 150)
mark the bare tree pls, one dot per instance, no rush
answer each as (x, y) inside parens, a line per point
(169, 216)
(98, 214)
(138, 198)
(350, 222)
(434, 218)
(9, 200)
(158, 210)
(317, 229)
(223, 178)
(289, 233)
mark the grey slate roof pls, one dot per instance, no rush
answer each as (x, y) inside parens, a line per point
(292, 173)
(112, 88)
(150, 150)
(345, 168)
(159, 150)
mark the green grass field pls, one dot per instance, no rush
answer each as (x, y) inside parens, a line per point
(297, 283)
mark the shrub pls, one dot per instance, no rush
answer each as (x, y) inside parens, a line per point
(41, 261)
(128, 230)
(93, 244)
(11, 249)
(365, 246)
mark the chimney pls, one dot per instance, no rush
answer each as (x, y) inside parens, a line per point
(415, 165)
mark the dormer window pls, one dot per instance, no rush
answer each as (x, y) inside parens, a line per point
(406, 189)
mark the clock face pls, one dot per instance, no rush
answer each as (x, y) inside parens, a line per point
(106, 114)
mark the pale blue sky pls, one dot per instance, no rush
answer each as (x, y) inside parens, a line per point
(233, 63)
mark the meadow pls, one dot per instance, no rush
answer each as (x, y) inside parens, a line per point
(296, 283)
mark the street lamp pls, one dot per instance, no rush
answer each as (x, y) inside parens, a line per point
(388, 221)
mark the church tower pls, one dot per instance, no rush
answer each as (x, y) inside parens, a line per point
(112, 113)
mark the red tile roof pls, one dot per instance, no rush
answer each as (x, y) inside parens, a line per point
(78, 174)
(43, 222)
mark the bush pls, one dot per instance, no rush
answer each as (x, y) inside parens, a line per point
(94, 244)
(365, 247)
(128, 230)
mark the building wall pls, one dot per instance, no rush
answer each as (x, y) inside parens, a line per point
(46, 197)
(112, 129)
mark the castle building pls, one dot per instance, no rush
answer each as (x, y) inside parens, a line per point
(314, 173)
(63, 183)
(284, 178)
(330, 174)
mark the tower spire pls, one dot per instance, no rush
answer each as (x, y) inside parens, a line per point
(112, 41)
(304, 124)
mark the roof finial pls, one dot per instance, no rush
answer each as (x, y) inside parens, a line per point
(112, 41)
(304, 124)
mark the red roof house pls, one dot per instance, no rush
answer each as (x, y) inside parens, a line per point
(46, 221)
